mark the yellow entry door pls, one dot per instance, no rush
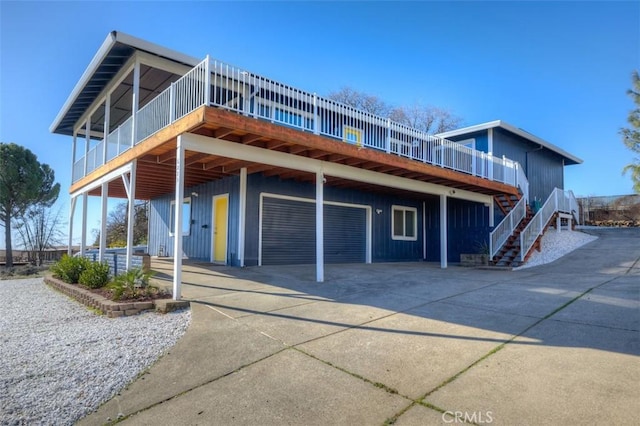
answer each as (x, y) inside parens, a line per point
(220, 214)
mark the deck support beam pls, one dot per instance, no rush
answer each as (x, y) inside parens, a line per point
(319, 226)
(83, 244)
(131, 195)
(242, 219)
(104, 197)
(443, 231)
(177, 230)
(72, 209)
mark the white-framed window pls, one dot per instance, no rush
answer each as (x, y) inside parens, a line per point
(286, 115)
(404, 223)
(186, 217)
(352, 135)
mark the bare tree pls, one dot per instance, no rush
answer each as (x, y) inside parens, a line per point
(117, 226)
(39, 230)
(429, 119)
(361, 100)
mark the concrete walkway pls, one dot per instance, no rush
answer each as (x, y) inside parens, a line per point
(408, 344)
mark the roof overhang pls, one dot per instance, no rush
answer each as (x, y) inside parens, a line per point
(112, 55)
(569, 159)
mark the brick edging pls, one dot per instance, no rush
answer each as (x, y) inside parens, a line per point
(109, 307)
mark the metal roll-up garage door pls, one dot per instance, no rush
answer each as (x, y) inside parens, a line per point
(289, 234)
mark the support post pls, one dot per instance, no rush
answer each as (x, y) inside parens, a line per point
(207, 81)
(177, 230)
(242, 218)
(73, 157)
(72, 209)
(103, 220)
(131, 213)
(135, 102)
(319, 226)
(558, 222)
(87, 142)
(83, 244)
(492, 215)
(443, 231)
(316, 118)
(107, 124)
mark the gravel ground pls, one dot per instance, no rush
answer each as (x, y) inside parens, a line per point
(60, 361)
(557, 244)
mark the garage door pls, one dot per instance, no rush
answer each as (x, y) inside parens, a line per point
(289, 234)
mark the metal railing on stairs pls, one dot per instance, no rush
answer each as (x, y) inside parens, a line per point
(560, 201)
(505, 229)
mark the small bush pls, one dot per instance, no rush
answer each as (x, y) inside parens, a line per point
(130, 284)
(96, 275)
(68, 269)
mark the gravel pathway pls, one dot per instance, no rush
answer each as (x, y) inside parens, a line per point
(60, 361)
(557, 244)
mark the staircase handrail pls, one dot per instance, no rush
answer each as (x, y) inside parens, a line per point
(558, 201)
(501, 233)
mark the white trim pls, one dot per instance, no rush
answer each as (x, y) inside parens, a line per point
(114, 174)
(404, 209)
(236, 151)
(367, 208)
(213, 228)
(490, 141)
(102, 53)
(514, 130)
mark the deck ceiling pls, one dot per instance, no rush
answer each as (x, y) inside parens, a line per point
(156, 166)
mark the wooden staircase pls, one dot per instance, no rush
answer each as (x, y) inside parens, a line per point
(506, 202)
(508, 254)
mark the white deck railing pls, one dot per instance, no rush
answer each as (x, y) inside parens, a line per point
(185, 95)
(218, 84)
(505, 229)
(559, 201)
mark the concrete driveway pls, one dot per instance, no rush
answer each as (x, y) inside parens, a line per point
(408, 344)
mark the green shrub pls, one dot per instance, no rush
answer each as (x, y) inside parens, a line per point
(68, 269)
(96, 275)
(129, 284)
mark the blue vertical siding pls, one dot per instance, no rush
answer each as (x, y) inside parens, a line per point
(481, 137)
(197, 245)
(468, 228)
(384, 248)
(544, 168)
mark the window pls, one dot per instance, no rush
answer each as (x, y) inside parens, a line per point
(352, 135)
(186, 217)
(404, 223)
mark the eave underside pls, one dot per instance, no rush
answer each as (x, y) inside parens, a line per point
(156, 159)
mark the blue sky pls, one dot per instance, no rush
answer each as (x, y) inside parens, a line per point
(559, 70)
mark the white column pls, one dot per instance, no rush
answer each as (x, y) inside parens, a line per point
(177, 230)
(73, 157)
(424, 230)
(83, 244)
(320, 226)
(103, 220)
(135, 102)
(87, 142)
(242, 215)
(107, 124)
(131, 213)
(72, 209)
(558, 223)
(443, 231)
(491, 214)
